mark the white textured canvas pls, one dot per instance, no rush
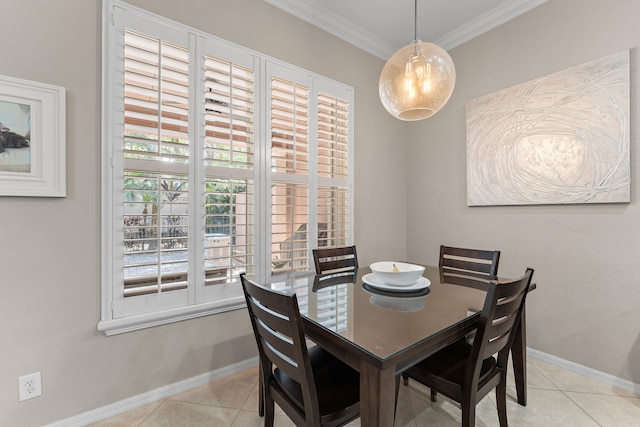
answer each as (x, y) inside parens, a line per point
(558, 139)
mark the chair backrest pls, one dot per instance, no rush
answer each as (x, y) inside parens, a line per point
(321, 281)
(334, 260)
(475, 260)
(277, 326)
(499, 319)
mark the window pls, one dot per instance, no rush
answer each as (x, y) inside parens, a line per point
(216, 160)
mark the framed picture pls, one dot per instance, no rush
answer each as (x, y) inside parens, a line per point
(559, 139)
(32, 139)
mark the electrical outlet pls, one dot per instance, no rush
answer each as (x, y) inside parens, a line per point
(30, 386)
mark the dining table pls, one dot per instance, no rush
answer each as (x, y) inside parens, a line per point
(381, 331)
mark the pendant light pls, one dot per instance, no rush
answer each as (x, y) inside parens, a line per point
(417, 81)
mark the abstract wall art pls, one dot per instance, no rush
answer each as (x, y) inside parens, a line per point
(558, 139)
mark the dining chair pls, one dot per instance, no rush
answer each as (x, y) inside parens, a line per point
(335, 260)
(479, 264)
(465, 372)
(309, 384)
(470, 260)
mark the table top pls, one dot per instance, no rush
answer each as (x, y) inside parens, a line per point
(382, 326)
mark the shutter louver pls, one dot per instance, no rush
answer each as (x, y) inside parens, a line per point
(156, 94)
(156, 140)
(333, 217)
(155, 233)
(333, 167)
(229, 105)
(289, 127)
(229, 225)
(289, 216)
(333, 137)
(229, 155)
(289, 158)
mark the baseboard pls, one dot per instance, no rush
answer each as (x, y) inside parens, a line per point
(171, 389)
(153, 395)
(585, 371)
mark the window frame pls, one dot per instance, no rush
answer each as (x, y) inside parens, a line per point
(197, 299)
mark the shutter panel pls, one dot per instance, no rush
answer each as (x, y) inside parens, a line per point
(156, 99)
(229, 229)
(333, 171)
(156, 144)
(229, 155)
(333, 137)
(155, 233)
(229, 108)
(333, 216)
(289, 127)
(290, 163)
(289, 217)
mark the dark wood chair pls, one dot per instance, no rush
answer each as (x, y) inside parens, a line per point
(321, 281)
(310, 385)
(335, 260)
(465, 372)
(478, 266)
(470, 260)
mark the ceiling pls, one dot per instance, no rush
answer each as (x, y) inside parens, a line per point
(381, 27)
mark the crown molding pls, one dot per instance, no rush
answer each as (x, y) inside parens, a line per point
(488, 21)
(327, 20)
(346, 30)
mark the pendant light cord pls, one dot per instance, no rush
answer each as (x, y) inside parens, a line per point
(415, 23)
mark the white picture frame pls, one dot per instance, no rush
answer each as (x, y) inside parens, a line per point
(33, 138)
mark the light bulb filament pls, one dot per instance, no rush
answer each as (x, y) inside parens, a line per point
(417, 75)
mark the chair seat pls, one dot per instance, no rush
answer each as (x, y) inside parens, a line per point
(467, 372)
(337, 385)
(448, 367)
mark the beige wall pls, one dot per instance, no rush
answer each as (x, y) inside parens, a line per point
(50, 248)
(586, 257)
(586, 307)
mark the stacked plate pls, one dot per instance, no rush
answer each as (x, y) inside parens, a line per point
(396, 277)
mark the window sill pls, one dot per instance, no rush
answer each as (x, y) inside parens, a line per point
(148, 320)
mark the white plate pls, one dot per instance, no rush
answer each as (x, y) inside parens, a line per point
(371, 280)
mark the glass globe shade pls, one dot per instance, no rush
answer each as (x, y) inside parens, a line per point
(417, 81)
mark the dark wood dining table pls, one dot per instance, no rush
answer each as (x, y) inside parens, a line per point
(381, 333)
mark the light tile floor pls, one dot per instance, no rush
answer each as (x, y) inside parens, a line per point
(556, 398)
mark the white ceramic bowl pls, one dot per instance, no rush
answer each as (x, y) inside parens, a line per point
(408, 274)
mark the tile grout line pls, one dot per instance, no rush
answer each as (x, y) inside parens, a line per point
(580, 407)
(162, 402)
(564, 392)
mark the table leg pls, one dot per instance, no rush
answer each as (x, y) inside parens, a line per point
(377, 395)
(519, 357)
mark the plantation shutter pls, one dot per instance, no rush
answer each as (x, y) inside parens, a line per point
(216, 160)
(290, 176)
(159, 185)
(155, 155)
(229, 156)
(333, 199)
(333, 171)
